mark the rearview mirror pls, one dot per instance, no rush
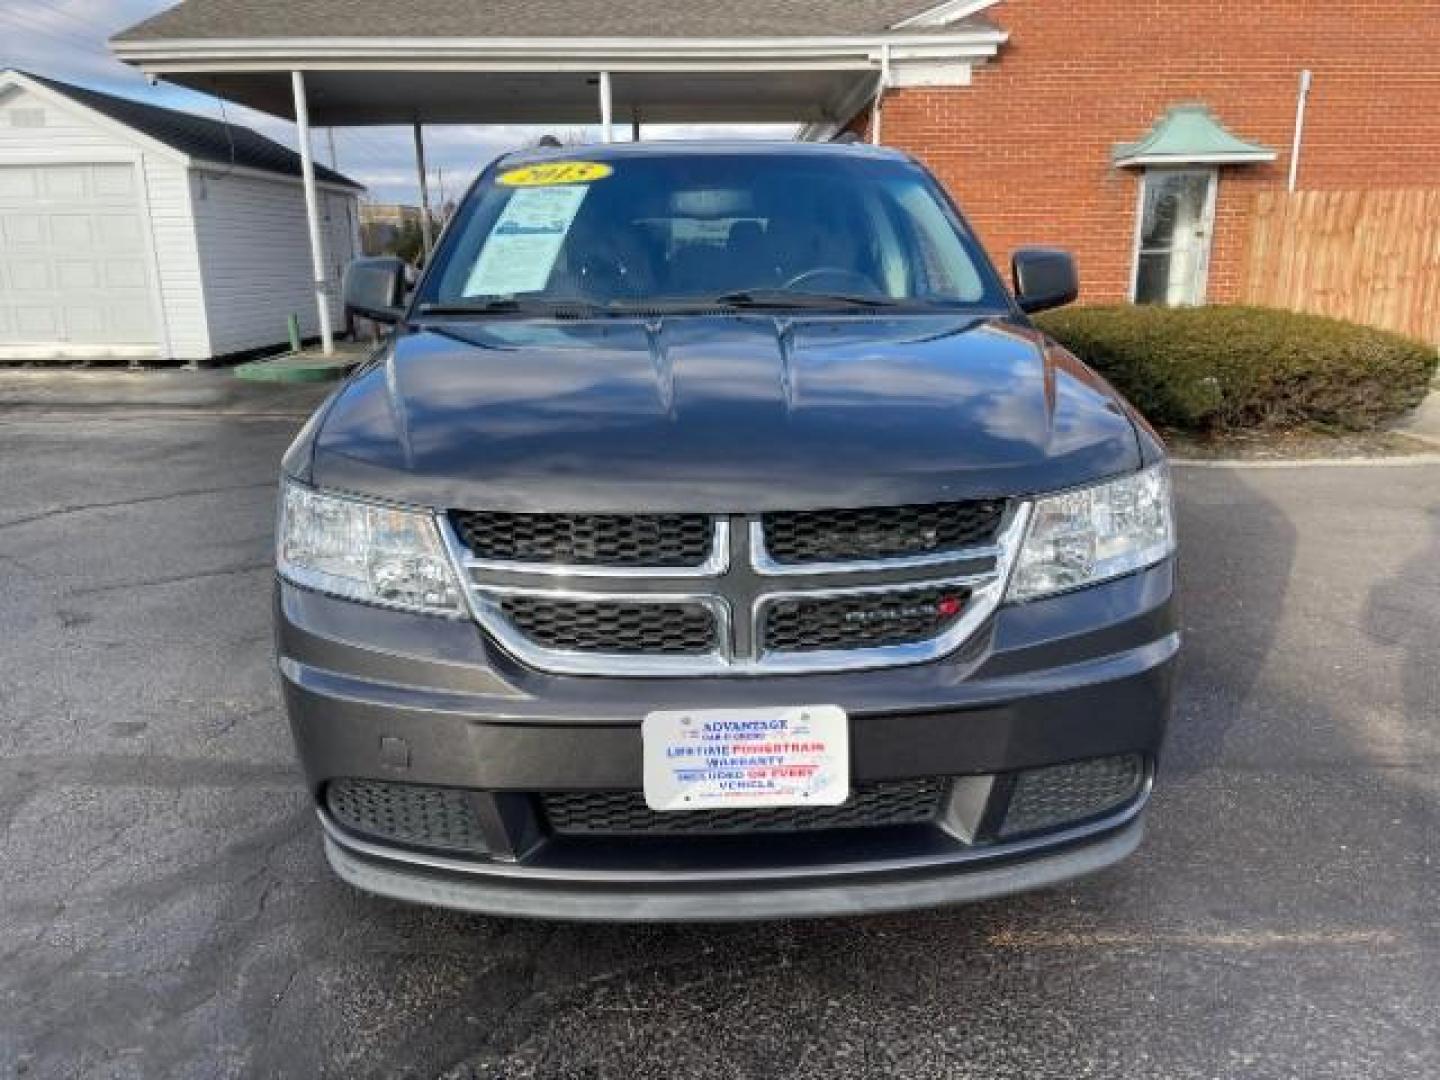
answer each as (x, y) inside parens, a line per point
(374, 288)
(1044, 278)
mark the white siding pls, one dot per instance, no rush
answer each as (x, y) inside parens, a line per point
(255, 256)
(34, 129)
(177, 258)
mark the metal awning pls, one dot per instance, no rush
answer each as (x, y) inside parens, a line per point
(440, 94)
(1190, 135)
(500, 80)
(536, 61)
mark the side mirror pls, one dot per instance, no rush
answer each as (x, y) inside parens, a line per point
(1044, 278)
(374, 288)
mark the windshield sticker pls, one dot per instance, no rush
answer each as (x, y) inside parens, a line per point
(555, 172)
(522, 248)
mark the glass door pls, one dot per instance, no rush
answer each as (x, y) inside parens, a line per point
(1172, 244)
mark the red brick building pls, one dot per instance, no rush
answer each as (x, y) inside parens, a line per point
(1028, 147)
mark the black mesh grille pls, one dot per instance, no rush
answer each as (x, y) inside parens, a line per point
(587, 539)
(1065, 794)
(408, 813)
(612, 813)
(862, 621)
(880, 532)
(614, 626)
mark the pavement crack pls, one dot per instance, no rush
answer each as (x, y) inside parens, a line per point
(22, 777)
(176, 579)
(80, 508)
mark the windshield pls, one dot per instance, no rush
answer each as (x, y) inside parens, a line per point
(690, 229)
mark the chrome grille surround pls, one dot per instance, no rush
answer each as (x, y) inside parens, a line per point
(738, 583)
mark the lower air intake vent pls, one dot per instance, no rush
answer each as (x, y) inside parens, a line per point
(1067, 794)
(624, 813)
(619, 627)
(431, 817)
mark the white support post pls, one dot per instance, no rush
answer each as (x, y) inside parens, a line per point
(312, 213)
(877, 110)
(607, 133)
(425, 236)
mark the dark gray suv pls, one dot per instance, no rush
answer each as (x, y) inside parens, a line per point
(716, 538)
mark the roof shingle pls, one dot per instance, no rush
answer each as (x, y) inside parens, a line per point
(226, 19)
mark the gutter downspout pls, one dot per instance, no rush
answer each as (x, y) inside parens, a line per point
(1300, 102)
(877, 107)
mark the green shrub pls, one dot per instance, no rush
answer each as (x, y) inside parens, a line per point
(1218, 368)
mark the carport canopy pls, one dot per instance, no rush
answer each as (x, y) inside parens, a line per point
(817, 63)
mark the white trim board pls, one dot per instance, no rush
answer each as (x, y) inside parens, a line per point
(138, 50)
(549, 55)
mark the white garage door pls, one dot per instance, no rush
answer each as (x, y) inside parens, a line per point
(73, 270)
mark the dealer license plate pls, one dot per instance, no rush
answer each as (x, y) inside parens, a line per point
(708, 759)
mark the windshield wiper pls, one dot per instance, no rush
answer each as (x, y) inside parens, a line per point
(510, 305)
(786, 298)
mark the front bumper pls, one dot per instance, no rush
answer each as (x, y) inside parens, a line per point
(841, 891)
(419, 700)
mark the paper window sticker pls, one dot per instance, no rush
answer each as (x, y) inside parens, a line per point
(520, 252)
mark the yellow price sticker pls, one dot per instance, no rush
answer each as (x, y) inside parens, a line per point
(555, 172)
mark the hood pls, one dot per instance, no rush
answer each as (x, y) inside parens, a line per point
(720, 413)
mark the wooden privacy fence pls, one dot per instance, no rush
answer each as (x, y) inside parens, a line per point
(1371, 257)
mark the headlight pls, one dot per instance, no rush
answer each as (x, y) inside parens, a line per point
(1080, 537)
(364, 551)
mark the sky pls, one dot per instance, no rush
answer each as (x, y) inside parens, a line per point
(66, 39)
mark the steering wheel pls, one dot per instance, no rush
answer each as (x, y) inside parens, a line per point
(844, 279)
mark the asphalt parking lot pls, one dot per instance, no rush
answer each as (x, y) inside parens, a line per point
(165, 909)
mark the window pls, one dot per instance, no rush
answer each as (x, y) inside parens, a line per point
(1172, 237)
(694, 226)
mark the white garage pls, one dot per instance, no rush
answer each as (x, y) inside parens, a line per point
(131, 231)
